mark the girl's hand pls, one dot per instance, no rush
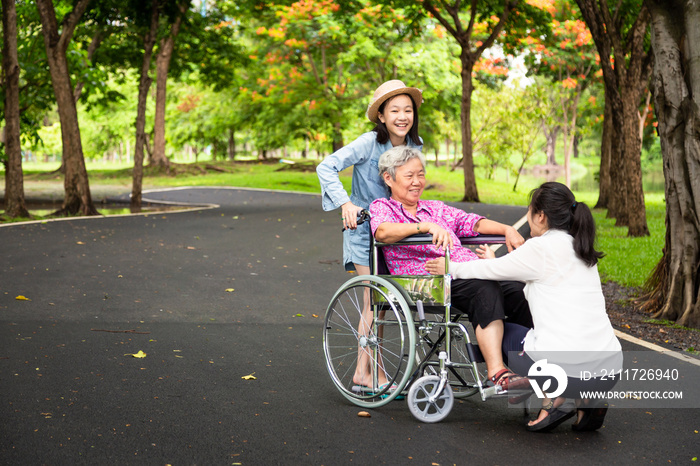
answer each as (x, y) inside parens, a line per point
(485, 252)
(436, 266)
(349, 213)
(441, 237)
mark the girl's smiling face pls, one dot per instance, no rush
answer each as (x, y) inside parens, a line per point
(398, 118)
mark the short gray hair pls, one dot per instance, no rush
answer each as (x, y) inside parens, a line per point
(397, 157)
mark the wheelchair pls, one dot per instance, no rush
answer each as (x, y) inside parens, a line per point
(415, 338)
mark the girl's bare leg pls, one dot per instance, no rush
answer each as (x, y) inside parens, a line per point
(363, 371)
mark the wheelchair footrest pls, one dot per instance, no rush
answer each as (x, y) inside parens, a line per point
(493, 390)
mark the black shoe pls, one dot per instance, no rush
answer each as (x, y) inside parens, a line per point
(555, 418)
(592, 419)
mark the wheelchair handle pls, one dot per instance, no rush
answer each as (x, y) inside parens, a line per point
(362, 217)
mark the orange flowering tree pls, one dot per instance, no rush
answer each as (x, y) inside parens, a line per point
(476, 26)
(316, 64)
(567, 57)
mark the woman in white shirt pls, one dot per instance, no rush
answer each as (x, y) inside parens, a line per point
(572, 330)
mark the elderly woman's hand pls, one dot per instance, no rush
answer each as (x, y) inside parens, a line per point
(441, 237)
(513, 239)
(436, 266)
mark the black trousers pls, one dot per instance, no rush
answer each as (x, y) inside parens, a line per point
(486, 300)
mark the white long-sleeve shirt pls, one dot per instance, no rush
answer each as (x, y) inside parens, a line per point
(565, 296)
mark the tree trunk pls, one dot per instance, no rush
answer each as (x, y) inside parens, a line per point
(231, 143)
(337, 136)
(672, 290)
(77, 189)
(551, 144)
(625, 77)
(470, 192)
(618, 197)
(149, 41)
(606, 148)
(14, 178)
(632, 164)
(165, 53)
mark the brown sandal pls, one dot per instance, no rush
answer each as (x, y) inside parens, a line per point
(508, 380)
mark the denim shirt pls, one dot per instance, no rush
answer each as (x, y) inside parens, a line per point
(363, 153)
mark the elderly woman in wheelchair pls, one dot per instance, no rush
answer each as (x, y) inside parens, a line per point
(395, 341)
(487, 303)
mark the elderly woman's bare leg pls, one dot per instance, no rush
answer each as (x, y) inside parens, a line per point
(489, 340)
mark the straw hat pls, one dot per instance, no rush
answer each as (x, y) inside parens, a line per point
(388, 90)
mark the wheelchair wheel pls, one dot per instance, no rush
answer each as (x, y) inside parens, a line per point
(461, 377)
(426, 403)
(388, 342)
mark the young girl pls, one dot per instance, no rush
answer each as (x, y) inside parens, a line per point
(571, 327)
(394, 110)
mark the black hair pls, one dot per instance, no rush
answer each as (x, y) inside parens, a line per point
(563, 212)
(383, 132)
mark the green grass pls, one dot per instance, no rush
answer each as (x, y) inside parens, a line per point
(670, 324)
(628, 261)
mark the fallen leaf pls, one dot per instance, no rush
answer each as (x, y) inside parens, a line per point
(230, 290)
(139, 355)
(79, 242)
(364, 414)
(249, 377)
(298, 315)
(315, 316)
(22, 298)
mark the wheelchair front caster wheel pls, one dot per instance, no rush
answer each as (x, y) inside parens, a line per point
(424, 401)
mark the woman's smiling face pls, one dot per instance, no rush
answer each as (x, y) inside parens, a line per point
(408, 186)
(398, 118)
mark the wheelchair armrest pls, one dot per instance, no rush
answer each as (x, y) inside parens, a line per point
(425, 238)
(482, 239)
(421, 238)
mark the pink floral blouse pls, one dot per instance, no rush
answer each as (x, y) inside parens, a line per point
(410, 260)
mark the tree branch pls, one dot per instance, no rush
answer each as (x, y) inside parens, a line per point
(70, 22)
(497, 29)
(428, 5)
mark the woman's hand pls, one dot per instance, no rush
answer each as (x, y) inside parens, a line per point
(513, 239)
(349, 213)
(441, 237)
(485, 252)
(436, 266)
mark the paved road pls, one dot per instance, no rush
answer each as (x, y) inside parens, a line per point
(101, 289)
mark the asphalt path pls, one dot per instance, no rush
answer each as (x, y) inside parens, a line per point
(227, 305)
